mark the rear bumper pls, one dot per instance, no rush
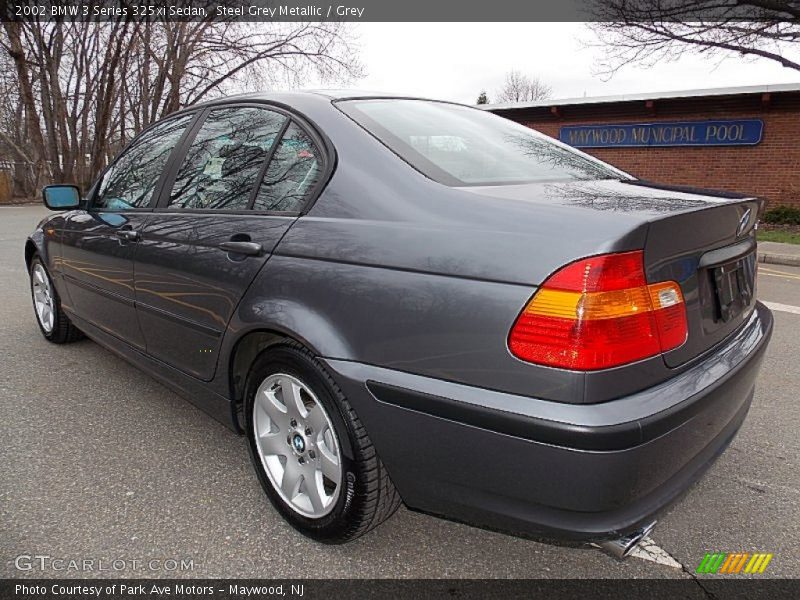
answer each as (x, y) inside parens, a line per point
(531, 466)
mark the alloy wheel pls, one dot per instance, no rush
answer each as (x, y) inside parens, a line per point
(297, 445)
(43, 297)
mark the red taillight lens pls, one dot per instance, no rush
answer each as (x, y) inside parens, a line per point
(599, 312)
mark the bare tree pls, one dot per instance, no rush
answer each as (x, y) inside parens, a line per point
(521, 88)
(81, 90)
(648, 31)
(15, 145)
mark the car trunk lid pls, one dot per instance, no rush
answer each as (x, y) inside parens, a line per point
(702, 239)
(711, 253)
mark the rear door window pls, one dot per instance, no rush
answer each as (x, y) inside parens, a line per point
(222, 165)
(292, 174)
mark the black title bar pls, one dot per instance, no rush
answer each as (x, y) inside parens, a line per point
(372, 10)
(414, 589)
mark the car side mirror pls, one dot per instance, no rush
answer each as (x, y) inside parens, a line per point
(61, 197)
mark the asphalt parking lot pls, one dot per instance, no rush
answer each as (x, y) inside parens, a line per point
(100, 461)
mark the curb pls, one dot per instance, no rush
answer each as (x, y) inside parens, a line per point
(779, 259)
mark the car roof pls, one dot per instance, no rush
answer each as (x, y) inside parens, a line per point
(286, 97)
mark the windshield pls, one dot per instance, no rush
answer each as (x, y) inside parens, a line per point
(457, 145)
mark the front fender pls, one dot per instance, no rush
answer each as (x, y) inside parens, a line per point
(35, 245)
(45, 240)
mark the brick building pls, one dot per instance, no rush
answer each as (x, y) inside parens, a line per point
(743, 139)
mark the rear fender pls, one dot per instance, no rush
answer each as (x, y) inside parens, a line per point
(260, 322)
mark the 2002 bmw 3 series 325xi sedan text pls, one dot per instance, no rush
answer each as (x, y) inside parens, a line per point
(401, 299)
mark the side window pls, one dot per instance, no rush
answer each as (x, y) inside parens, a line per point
(223, 163)
(293, 172)
(131, 180)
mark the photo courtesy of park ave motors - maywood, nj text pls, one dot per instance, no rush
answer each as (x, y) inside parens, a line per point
(399, 299)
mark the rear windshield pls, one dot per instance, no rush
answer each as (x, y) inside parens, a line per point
(457, 146)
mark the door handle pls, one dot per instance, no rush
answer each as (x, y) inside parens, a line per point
(129, 235)
(246, 248)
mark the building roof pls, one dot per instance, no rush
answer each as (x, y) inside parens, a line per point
(726, 91)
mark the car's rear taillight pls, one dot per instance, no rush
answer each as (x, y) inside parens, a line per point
(599, 312)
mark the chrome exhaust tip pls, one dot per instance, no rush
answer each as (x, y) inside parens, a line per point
(621, 547)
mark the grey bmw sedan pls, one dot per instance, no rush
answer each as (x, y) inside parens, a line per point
(404, 300)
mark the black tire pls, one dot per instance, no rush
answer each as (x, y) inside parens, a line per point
(368, 496)
(63, 331)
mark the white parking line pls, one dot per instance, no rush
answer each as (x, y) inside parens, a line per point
(782, 307)
(648, 550)
(777, 273)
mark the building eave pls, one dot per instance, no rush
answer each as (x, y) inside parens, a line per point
(698, 93)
